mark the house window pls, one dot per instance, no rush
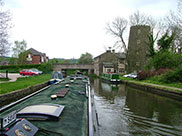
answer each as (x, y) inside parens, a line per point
(29, 57)
(42, 59)
(108, 70)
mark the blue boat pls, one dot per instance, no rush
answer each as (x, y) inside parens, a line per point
(56, 77)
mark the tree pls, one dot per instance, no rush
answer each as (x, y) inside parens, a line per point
(138, 18)
(151, 44)
(86, 58)
(19, 47)
(22, 57)
(5, 25)
(164, 43)
(173, 23)
(117, 29)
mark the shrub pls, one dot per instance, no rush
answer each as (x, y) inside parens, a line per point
(142, 75)
(45, 68)
(165, 59)
(147, 74)
(173, 76)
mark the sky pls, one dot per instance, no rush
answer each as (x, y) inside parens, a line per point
(69, 28)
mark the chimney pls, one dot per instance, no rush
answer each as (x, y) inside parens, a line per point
(109, 50)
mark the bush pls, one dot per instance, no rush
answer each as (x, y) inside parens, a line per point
(165, 59)
(45, 68)
(147, 74)
(20, 66)
(142, 75)
(173, 76)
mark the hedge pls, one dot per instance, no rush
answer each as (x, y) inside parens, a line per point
(46, 68)
(20, 66)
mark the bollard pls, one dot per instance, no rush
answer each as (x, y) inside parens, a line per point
(7, 74)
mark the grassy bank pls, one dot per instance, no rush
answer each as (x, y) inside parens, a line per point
(154, 83)
(23, 82)
(4, 79)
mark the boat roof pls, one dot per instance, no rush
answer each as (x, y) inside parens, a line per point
(73, 119)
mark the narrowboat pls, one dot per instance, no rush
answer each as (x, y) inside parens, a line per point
(111, 77)
(64, 109)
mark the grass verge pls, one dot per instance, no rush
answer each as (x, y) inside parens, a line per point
(4, 79)
(155, 83)
(23, 82)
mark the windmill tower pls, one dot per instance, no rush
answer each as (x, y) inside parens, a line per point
(138, 48)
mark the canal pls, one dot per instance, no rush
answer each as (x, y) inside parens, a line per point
(126, 111)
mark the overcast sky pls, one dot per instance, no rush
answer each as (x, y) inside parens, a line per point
(68, 28)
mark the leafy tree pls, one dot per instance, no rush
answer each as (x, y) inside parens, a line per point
(58, 61)
(13, 61)
(22, 57)
(151, 44)
(86, 58)
(5, 25)
(19, 47)
(164, 57)
(165, 42)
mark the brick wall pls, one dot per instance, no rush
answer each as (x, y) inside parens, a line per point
(36, 59)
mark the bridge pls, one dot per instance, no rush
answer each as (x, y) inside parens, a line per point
(88, 67)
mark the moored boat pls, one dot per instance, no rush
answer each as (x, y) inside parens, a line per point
(111, 77)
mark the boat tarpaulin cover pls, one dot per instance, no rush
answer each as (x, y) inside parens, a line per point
(73, 120)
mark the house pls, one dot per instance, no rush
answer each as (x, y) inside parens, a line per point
(35, 57)
(109, 62)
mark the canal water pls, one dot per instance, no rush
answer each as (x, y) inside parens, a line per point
(126, 111)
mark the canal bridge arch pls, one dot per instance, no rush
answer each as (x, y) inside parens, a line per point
(88, 67)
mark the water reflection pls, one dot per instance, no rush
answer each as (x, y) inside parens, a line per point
(127, 111)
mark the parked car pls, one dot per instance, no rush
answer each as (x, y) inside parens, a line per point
(28, 72)
(131, 75)
(36, 71)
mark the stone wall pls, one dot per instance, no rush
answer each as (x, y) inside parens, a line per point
(137, 48)
(18, 94)
(36, 59)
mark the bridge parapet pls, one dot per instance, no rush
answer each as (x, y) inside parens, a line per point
(59, 67)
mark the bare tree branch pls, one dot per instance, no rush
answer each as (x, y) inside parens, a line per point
(138, 18)
(117, 29)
